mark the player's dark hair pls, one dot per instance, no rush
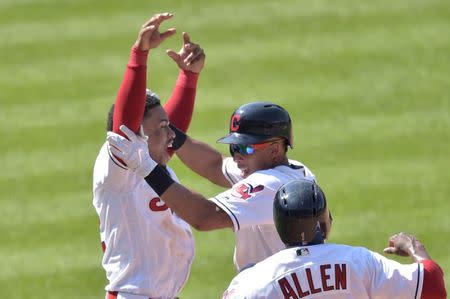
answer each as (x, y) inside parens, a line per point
(152, 100)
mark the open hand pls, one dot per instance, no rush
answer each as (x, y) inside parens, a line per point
(149, 37)
(191, 56)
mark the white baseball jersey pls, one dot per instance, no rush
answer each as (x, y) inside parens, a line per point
(328, 271)
(149, 250)
(249, 203)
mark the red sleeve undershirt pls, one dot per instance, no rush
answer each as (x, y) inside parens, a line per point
(433, 281)
(130, 101)
(180, 105)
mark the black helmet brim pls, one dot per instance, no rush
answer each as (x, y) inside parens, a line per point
(244, 139)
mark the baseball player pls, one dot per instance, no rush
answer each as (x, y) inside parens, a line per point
(148, 249)
(260, 135)
(309, 268)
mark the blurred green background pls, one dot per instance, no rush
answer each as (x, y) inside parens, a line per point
(366, 83)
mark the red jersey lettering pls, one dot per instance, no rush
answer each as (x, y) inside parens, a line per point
(340, 279)
(325, 277)
(286, 288)
(311, 282)
(157, 205)
(300, 292)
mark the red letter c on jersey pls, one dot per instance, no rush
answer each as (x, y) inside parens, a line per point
(157, 205)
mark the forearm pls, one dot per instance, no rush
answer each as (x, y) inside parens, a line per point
(180, 105)
(203, 160)
(130, 101)
(191, 206)
(418, 252)
(195, 209)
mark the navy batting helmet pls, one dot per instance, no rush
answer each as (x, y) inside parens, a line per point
(300, 213)
(258, 121)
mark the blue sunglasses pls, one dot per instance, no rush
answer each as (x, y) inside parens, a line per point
(241, 149)
(250, 148)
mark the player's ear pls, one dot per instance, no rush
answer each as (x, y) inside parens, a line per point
(326, 223)
(276, 150)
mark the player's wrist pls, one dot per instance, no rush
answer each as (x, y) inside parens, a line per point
(180, 137)
(187, 79)
(138, 57)
(147, 166)
(418, 252)
(159, 179)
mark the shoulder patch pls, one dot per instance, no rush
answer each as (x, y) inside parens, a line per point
(246, 190)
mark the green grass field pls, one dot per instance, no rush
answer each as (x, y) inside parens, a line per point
(366, 83)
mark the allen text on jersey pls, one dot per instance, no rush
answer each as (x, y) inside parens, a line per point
(312, 280)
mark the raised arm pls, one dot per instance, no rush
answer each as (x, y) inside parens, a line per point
(404, 244)
(130, 101)
(190, 60)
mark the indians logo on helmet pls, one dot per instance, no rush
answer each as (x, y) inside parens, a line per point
(234, 123)
(245, 191)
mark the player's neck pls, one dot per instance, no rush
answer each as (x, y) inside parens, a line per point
(317, 240)
(279, 161)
